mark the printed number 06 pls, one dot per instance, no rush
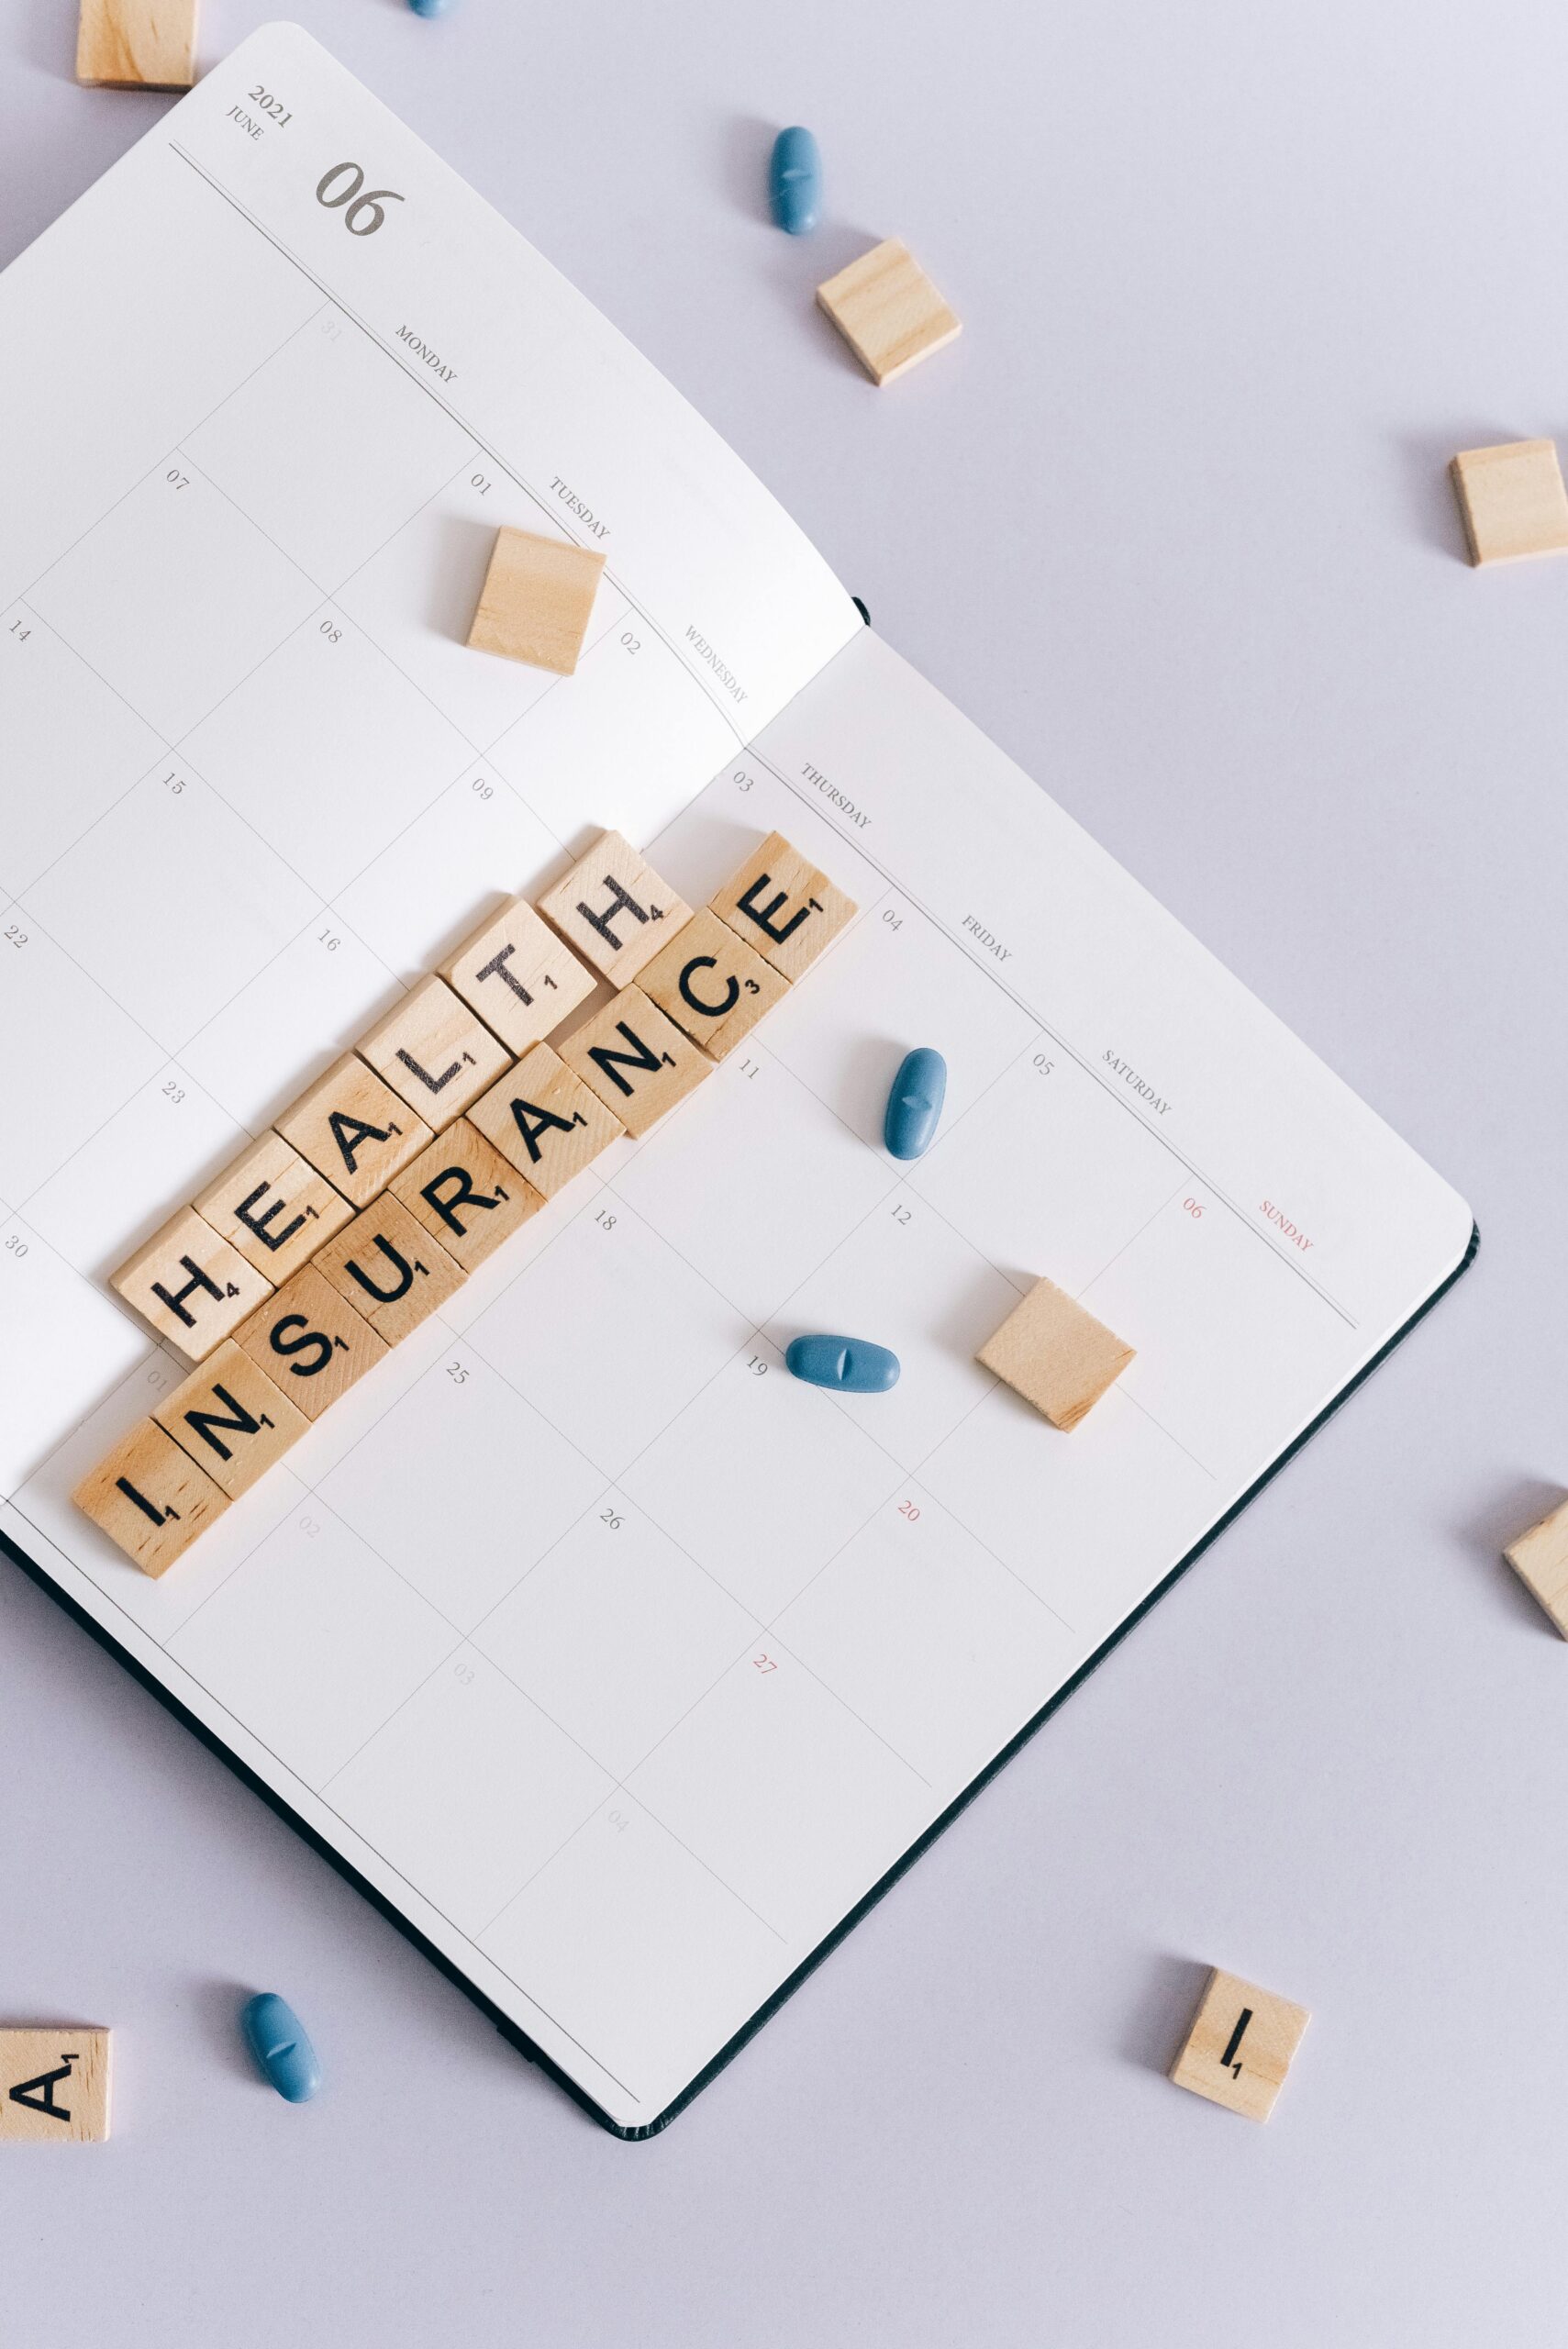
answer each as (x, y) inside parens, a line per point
(370, 202)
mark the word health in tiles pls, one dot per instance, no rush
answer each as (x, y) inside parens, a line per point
(404, 1167)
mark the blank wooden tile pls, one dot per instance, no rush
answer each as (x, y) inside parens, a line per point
(709, 982)
(638, 1062)
(435, 1052)
(55, 2081)
(310, 1343)
(231, 1419)
(888, 311)
(785, 908)
(1539, 1558)
(354, 1129)
(545, 1121)
(150, 1498)
(136, 44)
(273, 1206)
(537, 601)
(613, 910)
(466, 1194)
(518, 975)
(1055, 1356)
(1240, 2045)
(390, 1269)
(190, 1284)
(1512, 500)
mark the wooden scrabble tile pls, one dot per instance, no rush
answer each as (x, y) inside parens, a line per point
(544, 1120)
(782, 907)
(435, 1052)
(518, 975)
(54, 2084)
(190, 1284)
(1512, 500)
(708, 980)
(1054, 1355)
(1240, 2045)
(151, 1498)
(354, 1129)
(466, 1194)
(273, 1206)
(613, 910)
(638, 1062)
(231, 1419)
(536, 601)
(389, 1269)
(310, 1343)
(136, 44)
(1539, 1558)
(888, 311)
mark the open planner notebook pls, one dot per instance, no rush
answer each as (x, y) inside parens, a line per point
(622, 1669)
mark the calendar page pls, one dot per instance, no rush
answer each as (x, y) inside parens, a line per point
(620, 1666)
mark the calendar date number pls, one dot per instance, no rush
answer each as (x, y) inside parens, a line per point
(343, 189)
(269, 104)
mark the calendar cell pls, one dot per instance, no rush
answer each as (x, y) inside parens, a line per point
(632, 713)
(69, 1055)
(328, 752)
(468, 1790)
(455, 1529)
(753, 1781)
(334, 1435)
(71, 747)
(417, 595)
(171, 903)
(603, 1941)
(888, 984)
(725, 1480)
(1227, 1336)
(312, 1641)
(327, 447)
(173, 597)
(116, 1190)
(1049, 1173)
(299, 1015)
(904, 1278)
(754, 1181)
(474, 848)
(63, 1338)
(609, 1333)
(914, 1603)
(617, 1631)
(1090, 1520)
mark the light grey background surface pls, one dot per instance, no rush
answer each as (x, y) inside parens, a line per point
(1172, 523)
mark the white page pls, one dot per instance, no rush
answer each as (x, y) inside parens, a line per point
(619, 1663)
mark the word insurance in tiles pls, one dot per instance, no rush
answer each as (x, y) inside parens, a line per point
(404, 1166)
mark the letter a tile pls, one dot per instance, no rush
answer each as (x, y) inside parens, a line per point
(54, 2084)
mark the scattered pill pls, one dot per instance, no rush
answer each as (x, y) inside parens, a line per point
(429, 8)
(914, 1104)
(852, 1365)
(794, 181)
(284, 2054)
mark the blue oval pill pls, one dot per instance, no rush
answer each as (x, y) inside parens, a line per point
(852, 1365)
(794, 181)
(429, 8)
(914, 1104)
(284, 2054)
